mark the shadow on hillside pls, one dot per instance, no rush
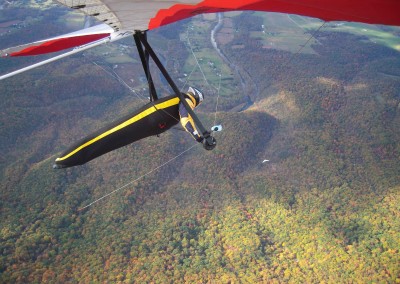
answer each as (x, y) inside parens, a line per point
(245, 135)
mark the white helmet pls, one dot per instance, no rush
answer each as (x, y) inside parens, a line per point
(197, 95)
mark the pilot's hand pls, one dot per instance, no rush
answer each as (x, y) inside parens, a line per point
(209, 145)
(200, 139)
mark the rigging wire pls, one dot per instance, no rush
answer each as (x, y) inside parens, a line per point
(122, 82)
(188, 77)
(204, 77)
(216, 104)
(197, 65)
(194, 56)
(312, 35)
(114, 75)
(127, 86)
(139, 178)
(308, 40)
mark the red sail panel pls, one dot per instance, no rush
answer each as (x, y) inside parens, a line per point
(385, 12)
(58, 44)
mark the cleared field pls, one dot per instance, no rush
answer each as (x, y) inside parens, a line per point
(119, 59)
(376, 34)
(211, 66)
(112, 54)
(305, 23)
(287, 32)
(387, 36)
(232, 14)
(198, 41)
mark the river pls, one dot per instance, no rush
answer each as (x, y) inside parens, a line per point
(249, 87)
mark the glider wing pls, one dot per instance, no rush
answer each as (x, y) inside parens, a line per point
(134, 15)
(121, 16)
(55, 44)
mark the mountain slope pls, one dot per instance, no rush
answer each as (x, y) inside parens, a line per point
(324, 208)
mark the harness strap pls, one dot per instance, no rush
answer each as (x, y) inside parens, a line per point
(144, 57)
(142, 38)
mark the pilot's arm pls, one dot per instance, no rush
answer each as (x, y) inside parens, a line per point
(188, 123)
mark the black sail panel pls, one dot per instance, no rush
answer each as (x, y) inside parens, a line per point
(152, 119)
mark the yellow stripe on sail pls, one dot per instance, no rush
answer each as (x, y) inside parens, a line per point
(143, 114)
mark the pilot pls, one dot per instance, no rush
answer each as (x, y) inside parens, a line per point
(152, 119)
(194, 98)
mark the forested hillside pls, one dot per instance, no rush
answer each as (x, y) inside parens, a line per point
(324, 208)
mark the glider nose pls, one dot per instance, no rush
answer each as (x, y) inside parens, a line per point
(58, 166)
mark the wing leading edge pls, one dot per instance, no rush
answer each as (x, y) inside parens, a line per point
(142, 15)
(55, 44)
(122, 18)
(139, 15)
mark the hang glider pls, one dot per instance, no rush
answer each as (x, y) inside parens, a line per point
(142, 15)
(121, 18)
